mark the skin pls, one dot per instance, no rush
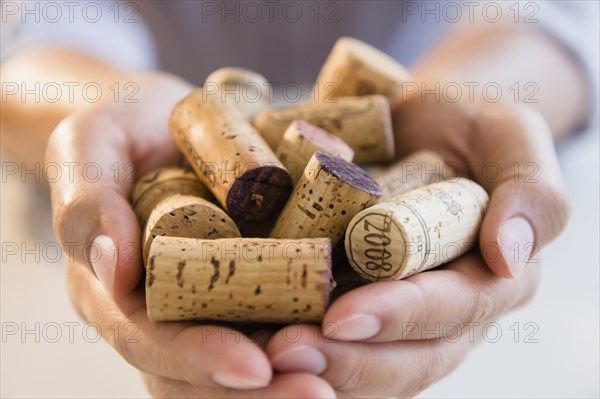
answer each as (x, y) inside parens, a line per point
(177, 359)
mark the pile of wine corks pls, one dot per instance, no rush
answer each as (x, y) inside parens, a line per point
(273, 212)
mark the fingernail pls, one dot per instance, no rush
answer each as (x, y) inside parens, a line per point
(357, 327)
(102, 258)
(516, 243)
(303, 359)
(235, 382)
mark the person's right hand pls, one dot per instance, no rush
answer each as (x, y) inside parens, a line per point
(102, 145)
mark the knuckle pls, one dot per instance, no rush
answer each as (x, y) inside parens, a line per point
(162, 387)
(357, 377)
(122, 347)
(64, 215)
(362, 377)
(157, 386)
(559, 210)
(482, 308)
(434, 367)
(129, 351)
(61, 216)
(552, 208)
(372, 376)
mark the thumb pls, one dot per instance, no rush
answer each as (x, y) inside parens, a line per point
(99, 229)
(92, 218)
(521, 218)
(529, 205)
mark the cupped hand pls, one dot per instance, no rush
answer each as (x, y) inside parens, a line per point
(396, 338)
(180, 360)
(104, 147)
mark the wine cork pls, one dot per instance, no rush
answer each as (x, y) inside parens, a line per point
(416, 231)
(329, 194)
(301, 140)
(230, 158)
(416, 170)
(247, 91)
(187, 216)
(161, 183)
(354, 68)
(364, 123)
(238, 279)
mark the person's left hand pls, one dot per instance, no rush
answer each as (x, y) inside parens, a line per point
(396, 338)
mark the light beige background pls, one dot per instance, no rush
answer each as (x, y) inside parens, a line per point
(564, 363)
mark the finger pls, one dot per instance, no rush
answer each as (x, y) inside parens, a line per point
(509, 151)
(99, 149)
(440, 303)
(366, 369)
(203, 355)
(529, 207)
(282, 386)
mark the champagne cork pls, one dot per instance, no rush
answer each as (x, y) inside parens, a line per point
(230, 158)
(247, 91)
(329, 194)
(416, 231)
(187, 216)
(161, 183)
(301, 140)
(364, 123)
(354, 68)
(416, 170)
(238, 279)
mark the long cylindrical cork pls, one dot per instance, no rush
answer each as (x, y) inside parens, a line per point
(187, 216)
(364, 123)
(354, 68)
(230, 158)
(161, 183)
(416, 231)
(329, 194)
(416, 170)
(248, 91)
(301, 140)
(238, 279)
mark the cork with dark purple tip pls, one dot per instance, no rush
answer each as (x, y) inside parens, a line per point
(238, 280)
(251, 197)
(231, 158)
(330, 192)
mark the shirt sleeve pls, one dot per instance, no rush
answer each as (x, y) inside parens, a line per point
(113, 31)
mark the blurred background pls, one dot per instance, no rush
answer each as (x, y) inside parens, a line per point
(548, 349)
